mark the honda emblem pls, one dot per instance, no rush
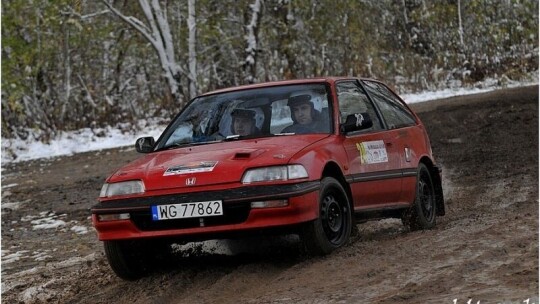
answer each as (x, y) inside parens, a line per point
(190, 181)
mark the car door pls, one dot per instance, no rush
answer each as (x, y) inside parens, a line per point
(373, 156)
(405, 132)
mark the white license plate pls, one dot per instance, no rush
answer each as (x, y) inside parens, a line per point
(187, 210)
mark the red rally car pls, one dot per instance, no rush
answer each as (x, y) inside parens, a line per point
(309, 157)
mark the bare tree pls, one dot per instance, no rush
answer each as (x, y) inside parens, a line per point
(67, 71)
(192, 40)
(460, 24)
(158, 33)
(252, 31)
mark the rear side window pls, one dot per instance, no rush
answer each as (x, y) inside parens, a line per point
(394, 112)
(352, 99)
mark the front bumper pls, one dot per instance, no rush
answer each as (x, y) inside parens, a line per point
(238, 216)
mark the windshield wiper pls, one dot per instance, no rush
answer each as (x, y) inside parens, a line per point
(285, 134)
(231, 137)
(173, 146)
(189, 144)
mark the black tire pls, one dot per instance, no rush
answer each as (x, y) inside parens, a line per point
(423, 213)
(127, 259)
(333, 227)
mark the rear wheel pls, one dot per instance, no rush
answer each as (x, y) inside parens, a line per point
(333, 227)
(422, 215)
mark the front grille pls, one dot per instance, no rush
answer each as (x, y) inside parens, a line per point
(232, 214)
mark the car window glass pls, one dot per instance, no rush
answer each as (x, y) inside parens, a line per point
(352, 100)
(182, 134)
(281, 116)
(394, 112)
(248, 113)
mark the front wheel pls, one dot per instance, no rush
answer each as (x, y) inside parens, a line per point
(128, 259)
(333, 227)
(422, 215)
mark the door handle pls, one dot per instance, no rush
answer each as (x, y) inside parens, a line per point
(408, 154)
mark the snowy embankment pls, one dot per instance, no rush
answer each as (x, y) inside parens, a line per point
(84, 140)
(69, 143)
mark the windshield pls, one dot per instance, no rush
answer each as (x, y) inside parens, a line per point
(278, 110)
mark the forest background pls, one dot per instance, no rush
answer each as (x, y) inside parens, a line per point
(73, 64)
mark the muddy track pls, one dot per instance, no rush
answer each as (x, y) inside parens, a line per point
(484, 249)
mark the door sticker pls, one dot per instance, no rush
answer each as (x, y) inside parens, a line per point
(372, 152)
(195, 167)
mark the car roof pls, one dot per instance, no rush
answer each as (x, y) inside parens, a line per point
(279, 83)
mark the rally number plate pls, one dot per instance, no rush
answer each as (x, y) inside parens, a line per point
(187, 210)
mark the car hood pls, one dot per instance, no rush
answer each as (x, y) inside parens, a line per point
(211, 164)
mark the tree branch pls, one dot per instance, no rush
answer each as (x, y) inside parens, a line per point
(72, 12)
(133, 22)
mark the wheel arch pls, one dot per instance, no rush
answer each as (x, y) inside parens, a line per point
(332, 169)
(436, 173)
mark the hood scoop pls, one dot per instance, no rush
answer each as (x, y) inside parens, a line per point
(247, 154)
(242, 155)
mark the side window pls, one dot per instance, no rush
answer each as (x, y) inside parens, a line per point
(394, 112)
(352, 99)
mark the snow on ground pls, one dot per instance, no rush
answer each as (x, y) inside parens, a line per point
(12, 257)
(69, 143)
(486, 86)
(43, 220)
(79, 229)
(39, 292)
(85, 140)
(47, 223)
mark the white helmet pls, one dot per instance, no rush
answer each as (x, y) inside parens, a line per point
(238, 109)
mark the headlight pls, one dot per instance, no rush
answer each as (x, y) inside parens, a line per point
(121, 188)
(276, 173)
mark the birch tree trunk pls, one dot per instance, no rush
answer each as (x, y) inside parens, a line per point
(67, 72)
(252, 31)
(460, 24)
(192, 41)
(158, 33)
(406, 19)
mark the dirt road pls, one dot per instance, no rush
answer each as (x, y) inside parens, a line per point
(484, 249)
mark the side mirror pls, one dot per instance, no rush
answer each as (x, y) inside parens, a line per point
(356, 122)
(145, 144)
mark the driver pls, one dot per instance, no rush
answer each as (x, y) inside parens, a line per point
(243, 122)
(306, 119)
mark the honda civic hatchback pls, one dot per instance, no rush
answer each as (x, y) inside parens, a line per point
(311, 157)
